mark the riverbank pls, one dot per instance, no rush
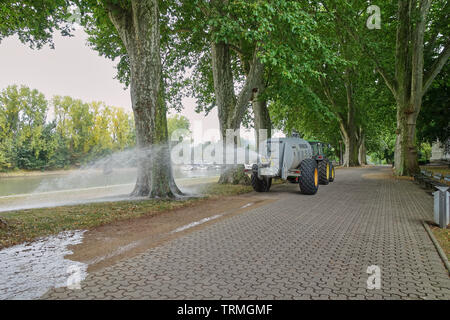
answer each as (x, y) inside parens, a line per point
(28, 225)
(34, 173)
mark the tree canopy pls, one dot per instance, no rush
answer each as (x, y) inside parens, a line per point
(331, 70)
(79, 132)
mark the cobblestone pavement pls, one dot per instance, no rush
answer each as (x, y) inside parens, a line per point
(299, 247)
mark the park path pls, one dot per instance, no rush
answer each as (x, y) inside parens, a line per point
(297, 247)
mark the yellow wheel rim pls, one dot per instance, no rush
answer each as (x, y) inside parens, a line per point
(316, 177)
(332, 173)
(328, 171)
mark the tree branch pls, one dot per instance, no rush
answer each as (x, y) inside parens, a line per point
(254, 74)
(436, 67)
(119, 18)
(236, 49)
(417, 54)
(326, 90)
(391, 84)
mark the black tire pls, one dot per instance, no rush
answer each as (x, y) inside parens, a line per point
(260, 185)
(309, 180)
(324, 172)
(332, 173)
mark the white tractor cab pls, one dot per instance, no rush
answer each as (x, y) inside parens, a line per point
(292, 159)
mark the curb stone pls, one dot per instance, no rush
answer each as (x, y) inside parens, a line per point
(438, 247)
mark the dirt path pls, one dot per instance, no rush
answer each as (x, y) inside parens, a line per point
(105, 245)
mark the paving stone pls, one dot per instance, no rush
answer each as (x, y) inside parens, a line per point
(297, 247)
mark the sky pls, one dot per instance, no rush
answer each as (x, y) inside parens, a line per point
(76, 70)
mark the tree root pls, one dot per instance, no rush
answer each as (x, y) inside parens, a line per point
(235, 175)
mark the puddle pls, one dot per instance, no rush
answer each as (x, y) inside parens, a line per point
(28, 270)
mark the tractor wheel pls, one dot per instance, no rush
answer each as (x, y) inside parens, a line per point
(332, 173)
(309, 180)
(261, 185)
(324, 172)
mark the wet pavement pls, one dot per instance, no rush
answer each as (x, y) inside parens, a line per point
(28, 270)
(364, 226)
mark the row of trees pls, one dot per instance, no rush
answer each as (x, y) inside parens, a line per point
(79, 132)
(315, 66)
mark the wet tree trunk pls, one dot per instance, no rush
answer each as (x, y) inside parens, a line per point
(231, 109)
(223, 86)
(261, 113)
(139, 30)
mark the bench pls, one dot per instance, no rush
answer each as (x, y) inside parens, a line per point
(418, 177)
(430, 180)
(447, 179)
(437, 176)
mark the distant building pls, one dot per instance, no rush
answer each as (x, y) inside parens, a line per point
(440, 151)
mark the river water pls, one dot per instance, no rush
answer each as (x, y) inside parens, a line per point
(28, 270)
(84, 185)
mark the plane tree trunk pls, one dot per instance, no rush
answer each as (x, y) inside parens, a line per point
(260, 112)
(345, 113)
(139, 30)
(351, 151)
(410, 82)
(362, 156)
(231, 108)
(261, 115)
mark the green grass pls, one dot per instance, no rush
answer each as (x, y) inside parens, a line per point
(27, 225)
(443, 237)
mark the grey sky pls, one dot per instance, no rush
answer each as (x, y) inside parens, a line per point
(76, 70)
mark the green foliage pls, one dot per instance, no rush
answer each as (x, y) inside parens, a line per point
(79, 133)
(89, 131)
(23, 112)
(433, 121)
(301, 43)
(424, 153)
(178, 122)
(381, 149)
(34, 21)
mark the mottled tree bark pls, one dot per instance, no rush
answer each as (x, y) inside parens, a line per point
(223, 86)
(351, 150)
(138, 27)
(231, 109)
(260, 111)
(345, 113)
(362, 155)
(348, 127)
(410, 83)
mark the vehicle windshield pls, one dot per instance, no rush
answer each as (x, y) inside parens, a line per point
(315, 148)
